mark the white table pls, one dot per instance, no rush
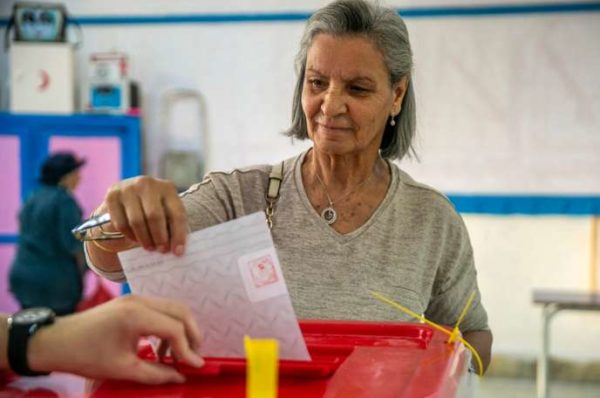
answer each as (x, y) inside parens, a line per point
(553, 301)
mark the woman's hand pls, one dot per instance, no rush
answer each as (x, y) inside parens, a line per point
(102, 342)
(148, 211)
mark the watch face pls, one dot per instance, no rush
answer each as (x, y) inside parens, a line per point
(32, 315)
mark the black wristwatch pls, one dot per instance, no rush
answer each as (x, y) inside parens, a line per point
(21, 326)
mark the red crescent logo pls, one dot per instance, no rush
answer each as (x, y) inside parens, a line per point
(44, 80)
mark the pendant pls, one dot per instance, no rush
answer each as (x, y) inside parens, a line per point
(329, 215)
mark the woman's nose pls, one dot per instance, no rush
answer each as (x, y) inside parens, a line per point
(333, 103)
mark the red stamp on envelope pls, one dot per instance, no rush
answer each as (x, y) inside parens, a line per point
(262, 271)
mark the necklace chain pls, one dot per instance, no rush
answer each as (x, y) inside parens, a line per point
(329, 214)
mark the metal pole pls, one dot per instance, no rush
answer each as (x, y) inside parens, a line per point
(542, 366)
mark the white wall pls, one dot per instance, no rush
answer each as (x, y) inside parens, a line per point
(494, 117)
(516, 254)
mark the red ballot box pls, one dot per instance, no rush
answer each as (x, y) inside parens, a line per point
(349, 360)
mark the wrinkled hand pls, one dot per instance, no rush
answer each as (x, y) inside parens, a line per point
(148, 211)
(102, 342)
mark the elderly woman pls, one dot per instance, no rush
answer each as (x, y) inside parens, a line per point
(347, 219)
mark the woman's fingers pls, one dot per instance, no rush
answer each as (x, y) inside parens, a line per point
(156, 209)
(178, 226)
(118, 216)
(156, 221)
(150, 212)
(136, 218)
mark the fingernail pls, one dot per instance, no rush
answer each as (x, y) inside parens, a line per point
(150, 248)
(179, 250)
(162, 248)
(196, 360)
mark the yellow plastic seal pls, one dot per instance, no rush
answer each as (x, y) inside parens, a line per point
(262, 367)
(454, 335)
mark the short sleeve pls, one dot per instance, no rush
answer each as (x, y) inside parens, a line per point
(204, 205)
(455, 280)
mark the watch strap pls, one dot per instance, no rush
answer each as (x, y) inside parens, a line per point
(19, 336)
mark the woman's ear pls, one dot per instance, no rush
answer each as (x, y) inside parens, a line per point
(399, 92)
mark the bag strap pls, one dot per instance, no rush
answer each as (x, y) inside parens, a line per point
(275, 179)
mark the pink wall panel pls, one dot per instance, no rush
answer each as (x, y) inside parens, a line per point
(10, 181)
(103, 167)
(7, 302)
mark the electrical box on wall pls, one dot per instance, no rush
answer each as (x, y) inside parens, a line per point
(108, 84)
(42, 78)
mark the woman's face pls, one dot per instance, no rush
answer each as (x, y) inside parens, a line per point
(71, 180)
(347, 97)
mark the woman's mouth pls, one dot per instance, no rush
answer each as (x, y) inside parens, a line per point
(332, 128)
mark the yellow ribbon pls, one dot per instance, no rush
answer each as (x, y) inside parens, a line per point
(454, 335)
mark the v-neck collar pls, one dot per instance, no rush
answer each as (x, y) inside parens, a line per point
(316, 217)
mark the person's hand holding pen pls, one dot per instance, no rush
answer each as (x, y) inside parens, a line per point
(147, 212)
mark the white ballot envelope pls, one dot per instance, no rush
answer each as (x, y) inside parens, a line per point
(231, 278)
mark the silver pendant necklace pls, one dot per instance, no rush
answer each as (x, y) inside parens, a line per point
(328, 213)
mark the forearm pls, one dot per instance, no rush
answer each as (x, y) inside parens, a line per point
(481, 340)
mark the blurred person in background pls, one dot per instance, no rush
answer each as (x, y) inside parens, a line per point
(49, 265)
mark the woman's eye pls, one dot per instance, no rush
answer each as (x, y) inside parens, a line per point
(316, 83)
(358, 89)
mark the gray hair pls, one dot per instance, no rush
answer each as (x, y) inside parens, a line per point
(388, 32)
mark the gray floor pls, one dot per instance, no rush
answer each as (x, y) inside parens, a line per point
(496, 387)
